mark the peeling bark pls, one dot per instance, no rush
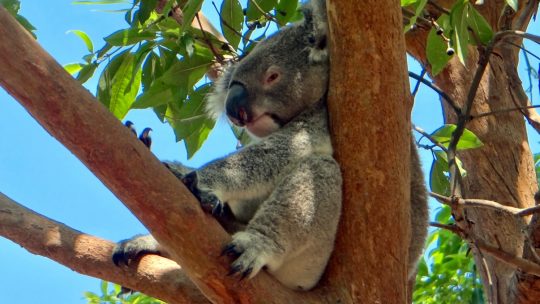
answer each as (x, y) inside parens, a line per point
(503, 169)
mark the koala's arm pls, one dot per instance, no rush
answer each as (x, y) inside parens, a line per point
(251, 172)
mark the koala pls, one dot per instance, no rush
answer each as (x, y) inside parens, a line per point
(280, 196)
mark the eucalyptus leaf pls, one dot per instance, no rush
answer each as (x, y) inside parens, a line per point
(256, 8)
(85, 38)
(125, 86)
(285, 11)
(436, 48)
(146, 8)
(86, 72)
(191, 8)
(232, 17)
(467, 141)
(73, 68)
(438, 180)
(479, 25)
(129, 36)
(460, 38)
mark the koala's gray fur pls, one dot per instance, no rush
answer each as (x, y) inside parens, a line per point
(283, 191)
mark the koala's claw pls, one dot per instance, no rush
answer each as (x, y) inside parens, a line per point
(231, 249)
(120, 255)
(127, 251)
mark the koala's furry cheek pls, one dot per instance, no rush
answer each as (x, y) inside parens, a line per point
(262, 126)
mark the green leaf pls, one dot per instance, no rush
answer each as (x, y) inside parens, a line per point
(191, 8)
(285, 11)
(85, 38)
(86, 72)
(26, 24)
(12, 6)
(186, 41)
(106, 79)
(147, 6)
(458, 20)
(129, 36)
(444, 214)
(125, 86)
(256, 8)
(436, 48)
(103, 287)
(73, 68)
(479, 25)
(158, 94)
(189, 120)
(467, 141)
(438, 178)
(418, 9)
(187, 72)
(231, 14)
(409, 2)
(513, 4)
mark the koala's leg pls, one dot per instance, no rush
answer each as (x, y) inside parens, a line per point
(293, 231)
(126, 251)
(419, 212)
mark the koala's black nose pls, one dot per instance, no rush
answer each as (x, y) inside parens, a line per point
(237, 104)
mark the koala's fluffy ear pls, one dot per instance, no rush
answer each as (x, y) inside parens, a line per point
(316, 24)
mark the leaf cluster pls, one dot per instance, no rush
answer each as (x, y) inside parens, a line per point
(110, 294)
(161, 63)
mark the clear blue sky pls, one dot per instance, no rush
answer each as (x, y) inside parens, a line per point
(40, 173)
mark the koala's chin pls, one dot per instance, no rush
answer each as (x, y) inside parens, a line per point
(262, 126)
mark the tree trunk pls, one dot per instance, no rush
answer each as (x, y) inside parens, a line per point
(503, 169)
(370, 121)
(370, 113)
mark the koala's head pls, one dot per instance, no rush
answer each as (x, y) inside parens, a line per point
(280, 78)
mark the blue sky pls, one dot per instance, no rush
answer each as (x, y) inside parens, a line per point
(38, 172)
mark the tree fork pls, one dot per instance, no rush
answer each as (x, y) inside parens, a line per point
(76, 119)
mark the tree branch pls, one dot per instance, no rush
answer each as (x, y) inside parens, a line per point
(86, 254)
(485, 204)
(432, 86)
(508, 258)
(74, 117)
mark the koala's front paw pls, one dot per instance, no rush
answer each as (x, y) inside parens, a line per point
(253, 252)
(126, 251)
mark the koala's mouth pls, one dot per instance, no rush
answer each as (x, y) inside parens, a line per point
(260, 125)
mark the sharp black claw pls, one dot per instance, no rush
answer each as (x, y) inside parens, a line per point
(246, 273)
(218, 208)
(230, 248)
(233, 270)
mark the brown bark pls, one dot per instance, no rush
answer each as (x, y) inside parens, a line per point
(75, 118)
(90, 255)
(370, 118)
(370, 121)
(502, 170)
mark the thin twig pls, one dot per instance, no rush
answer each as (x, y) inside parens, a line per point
(438, 7)
(450, 227)
(485, 204)
(464, 117)
(445, 96)
(227, 25)
(430, 138)
(417, 85)
(503, 111)
(521, 263)
(265, 14)
(217, 55)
